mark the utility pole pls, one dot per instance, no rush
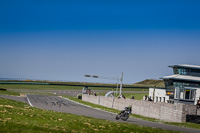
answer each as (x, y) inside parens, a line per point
(121, 79)
(110, 78)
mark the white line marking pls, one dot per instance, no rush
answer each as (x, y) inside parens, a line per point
(29, 101)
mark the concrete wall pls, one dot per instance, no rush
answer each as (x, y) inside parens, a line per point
(191, 109)
(163, 111)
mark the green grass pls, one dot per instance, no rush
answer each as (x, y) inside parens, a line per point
(59, 87)
(70, 83)
(91, 104)
(109, 109)
(10, 93)
(13, 93)
(19, 117)
(39, 87)
(188, 125)
(137, 96)
(54, 87)
(151, 83)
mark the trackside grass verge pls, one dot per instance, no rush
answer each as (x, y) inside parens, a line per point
(137, 96)
(109, 109)
(19, 117)
(59, 87)
(39, 87)
(13, 93)
(10, 93)
(188, 125)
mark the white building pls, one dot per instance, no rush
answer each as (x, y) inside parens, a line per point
(158, 95)
(182, 87)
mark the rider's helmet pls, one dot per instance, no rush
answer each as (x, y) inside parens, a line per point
(130, 106)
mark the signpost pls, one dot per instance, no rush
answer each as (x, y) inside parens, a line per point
(110, 78)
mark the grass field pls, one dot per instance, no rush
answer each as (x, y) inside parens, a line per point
(20, 117)
(39, 87)
(10, 93)
(60, 87)
(25, 87)
(137, 96)
(146, 83)
(52, 87)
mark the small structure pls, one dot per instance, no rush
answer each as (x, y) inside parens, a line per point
(158, 95)
(109, 94)
(182, 87)
(86, 90)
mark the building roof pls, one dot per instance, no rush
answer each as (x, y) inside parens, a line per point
(182, 77)
(186, 66)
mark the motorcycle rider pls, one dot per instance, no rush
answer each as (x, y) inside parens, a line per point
(129, 108)
(124, 114)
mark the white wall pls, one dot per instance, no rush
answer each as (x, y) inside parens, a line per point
(158, 94)
(197, 96)
(163, 111)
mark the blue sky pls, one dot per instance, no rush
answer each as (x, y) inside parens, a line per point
(63, 40)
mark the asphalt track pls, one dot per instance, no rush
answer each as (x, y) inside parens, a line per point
(16, 98)
(60, 104)
(65, 105)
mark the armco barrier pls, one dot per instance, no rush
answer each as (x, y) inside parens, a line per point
(163, 111)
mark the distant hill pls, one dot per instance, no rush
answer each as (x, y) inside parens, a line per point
(151, 82)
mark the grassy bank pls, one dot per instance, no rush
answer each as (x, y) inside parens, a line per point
(20, 117)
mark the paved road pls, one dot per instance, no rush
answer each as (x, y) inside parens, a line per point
(64, 105)
(16, 98)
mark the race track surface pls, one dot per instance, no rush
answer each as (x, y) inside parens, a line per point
(65, 105)
(60, 104)
(16, 98)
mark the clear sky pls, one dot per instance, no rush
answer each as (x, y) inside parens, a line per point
(63, 40)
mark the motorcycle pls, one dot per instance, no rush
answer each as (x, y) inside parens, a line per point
(124, 114)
